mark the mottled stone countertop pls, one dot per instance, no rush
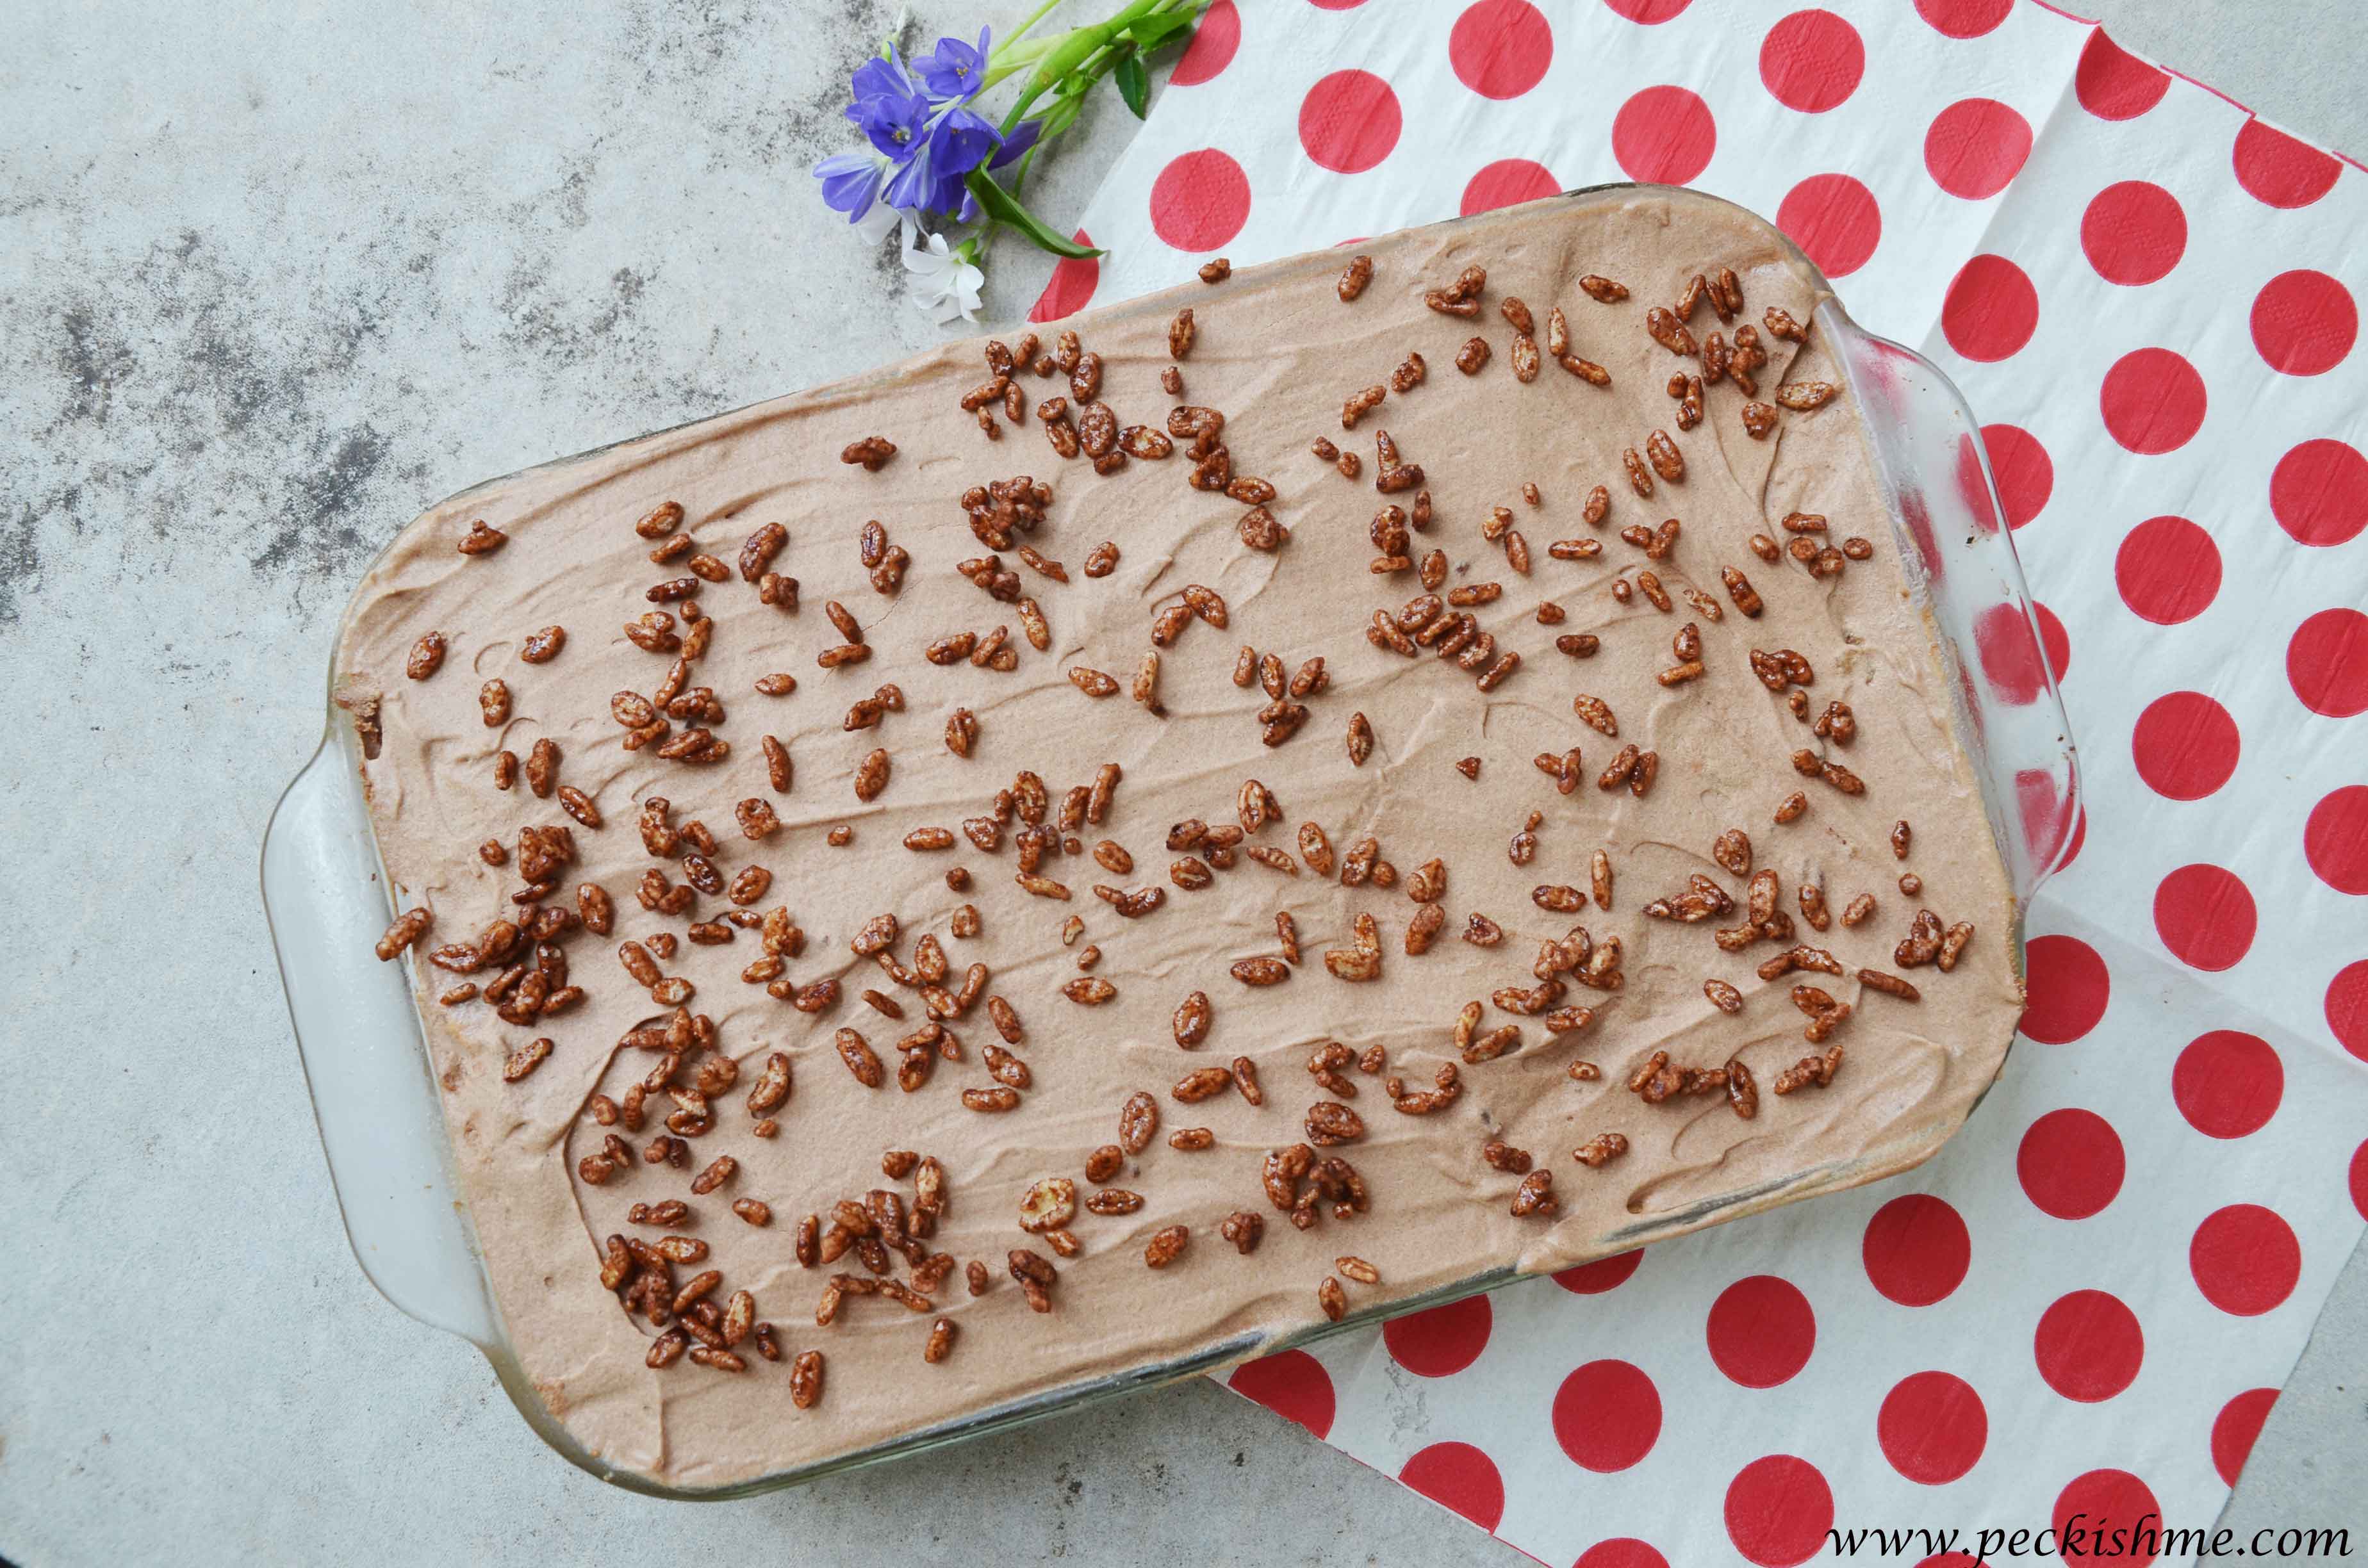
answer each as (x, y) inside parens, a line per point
(271, 278)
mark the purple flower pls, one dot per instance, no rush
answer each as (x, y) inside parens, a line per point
(930, 179)
(1022, 137)
(961, 141)
(915, 114)
(889, 107)
(910, 188)
(895, 125)
(919, 187)
(851, 183)
(955, 71)
(884, 75)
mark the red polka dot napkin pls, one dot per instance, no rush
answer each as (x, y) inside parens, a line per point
(2084, 1305)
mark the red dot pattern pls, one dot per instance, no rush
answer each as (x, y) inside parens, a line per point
(1621, 1552)
(1607, 1416)
(1963, 18)
(2153, 401)
(1201, 200)
(2335, 839)
(2079, 837)
(1215, 43)
(2071, 1163)
(2106, 1116)
(1972, 487)
(2235, 1428)
(2102, 1504)
(2326, 662)
(1777, 1510)
(2068, 986)
(1500, 48)
(2245, 1260)
(1648, 13)
(2088, 1346)
(1459, 1477)
(2010, 655)
(2054, 640)
(2204, 915)
(1975, 147)
(1990, 311)
(1834, 220)
(1761, 1331)
(1932, 1427)
(2279, 171)
(1439, 1341)
(1071, 287)
(2227, 1083)
(2318, 492)
(1293, 1384)
(2303, 323)
(1664, 135)
(1509, 182)
(1916, 1250)
(2113, 84)
(1811, 60)
(2167, 570)
(2053, 832)
(2185, 745)
(1604, 1273)
(2134, 232)
(2346, 1008)
(2025, 474)
(1348, 122)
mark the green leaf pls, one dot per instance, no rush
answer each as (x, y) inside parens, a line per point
(1134, 84)
(1008, 209)
(1153, 31)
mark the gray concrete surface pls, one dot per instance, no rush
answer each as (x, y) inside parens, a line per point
(268, 282)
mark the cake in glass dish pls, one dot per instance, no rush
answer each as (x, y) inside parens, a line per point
(1371, 774)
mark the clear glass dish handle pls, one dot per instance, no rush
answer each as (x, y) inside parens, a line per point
(1960, 561)
(326, 899)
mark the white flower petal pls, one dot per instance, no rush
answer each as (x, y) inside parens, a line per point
(928, 260)
(966, 285)
(879, 221)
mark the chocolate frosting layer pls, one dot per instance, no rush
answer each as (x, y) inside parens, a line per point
(1276, 351)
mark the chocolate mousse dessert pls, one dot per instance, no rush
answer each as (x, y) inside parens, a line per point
(1105, 848)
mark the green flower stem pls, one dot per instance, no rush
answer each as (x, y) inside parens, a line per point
(1076, 48)
(1066, 66)
(1034, 17)
(996, 202)
(1009, 60)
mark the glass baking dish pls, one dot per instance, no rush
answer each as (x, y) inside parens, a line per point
(364, 1055)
